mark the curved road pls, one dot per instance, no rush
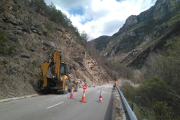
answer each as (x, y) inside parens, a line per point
(61, 107)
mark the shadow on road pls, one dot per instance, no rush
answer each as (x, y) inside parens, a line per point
(44, 92)
(109, 112)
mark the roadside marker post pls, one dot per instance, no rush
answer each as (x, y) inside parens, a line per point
(100, 97)
(83, 97)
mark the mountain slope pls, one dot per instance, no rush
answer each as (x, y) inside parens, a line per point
(143, 34)
(27, 38)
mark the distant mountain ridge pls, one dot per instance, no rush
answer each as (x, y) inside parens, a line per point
(142, 34)
(160, 9)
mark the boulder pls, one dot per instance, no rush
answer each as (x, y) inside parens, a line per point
(46, 44)
(52, 44)
(25, 55)
(34, 31)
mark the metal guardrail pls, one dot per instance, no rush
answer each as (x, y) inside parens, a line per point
(130, 113)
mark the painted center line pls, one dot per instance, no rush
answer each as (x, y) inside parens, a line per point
(54, 105)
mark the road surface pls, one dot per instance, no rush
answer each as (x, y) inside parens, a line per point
(61, 107)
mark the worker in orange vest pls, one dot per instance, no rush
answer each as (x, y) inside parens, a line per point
(115, 83)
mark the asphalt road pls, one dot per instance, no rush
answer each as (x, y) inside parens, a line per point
(61, 107)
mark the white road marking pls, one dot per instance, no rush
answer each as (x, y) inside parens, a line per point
(54, 105)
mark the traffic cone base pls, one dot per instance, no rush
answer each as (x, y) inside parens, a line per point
(100, 101)
(71, 96)
(83, 100)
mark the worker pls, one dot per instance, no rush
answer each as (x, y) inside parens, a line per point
(115, 83)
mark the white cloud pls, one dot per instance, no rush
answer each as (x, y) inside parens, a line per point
(107, 16)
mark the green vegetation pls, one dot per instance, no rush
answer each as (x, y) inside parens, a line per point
(128, 91)
(101, 42)
(144, 23)
(64, 36)
(174, 20)
(84, 38)
(77, 76)
(4, 48)
(49, 26)
(158, 96)
(3, 37)
(151, 99)
(35, 63)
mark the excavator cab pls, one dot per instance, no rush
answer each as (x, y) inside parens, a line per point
(63, 69)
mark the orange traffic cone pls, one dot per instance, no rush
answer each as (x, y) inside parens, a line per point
(83, 97)
(100, 97)
(71, 96)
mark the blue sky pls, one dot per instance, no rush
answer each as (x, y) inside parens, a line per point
(100, 17)
(78, 11)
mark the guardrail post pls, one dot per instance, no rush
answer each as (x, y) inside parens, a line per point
(131, 106)
(126, 106)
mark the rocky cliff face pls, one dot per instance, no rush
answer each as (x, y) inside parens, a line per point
(159, 10)
(26, 42)
(144, 33)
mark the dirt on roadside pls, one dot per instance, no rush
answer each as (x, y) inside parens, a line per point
(119, 112)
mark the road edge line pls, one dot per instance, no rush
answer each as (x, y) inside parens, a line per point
(17, 98)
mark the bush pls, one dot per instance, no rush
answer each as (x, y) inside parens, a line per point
(49, 26)
(154, 95)
(4, 48)
(128, 91)
(35, 63)
(154, 89)
(162, 95)
(162, 110)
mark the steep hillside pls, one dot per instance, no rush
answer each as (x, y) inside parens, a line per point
(143, 34)
(98, 44)
(27, 38)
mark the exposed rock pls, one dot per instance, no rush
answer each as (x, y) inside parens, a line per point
(16, 31)
(52, 44)
(113, 51)
(9, 70)
(131, 33)
(5, 61)
(35, 31)
(25, 55)
(7, 17)
(46, 44)
(132, 20)
(32, 49)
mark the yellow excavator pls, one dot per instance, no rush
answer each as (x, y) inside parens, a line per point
(54, 75)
